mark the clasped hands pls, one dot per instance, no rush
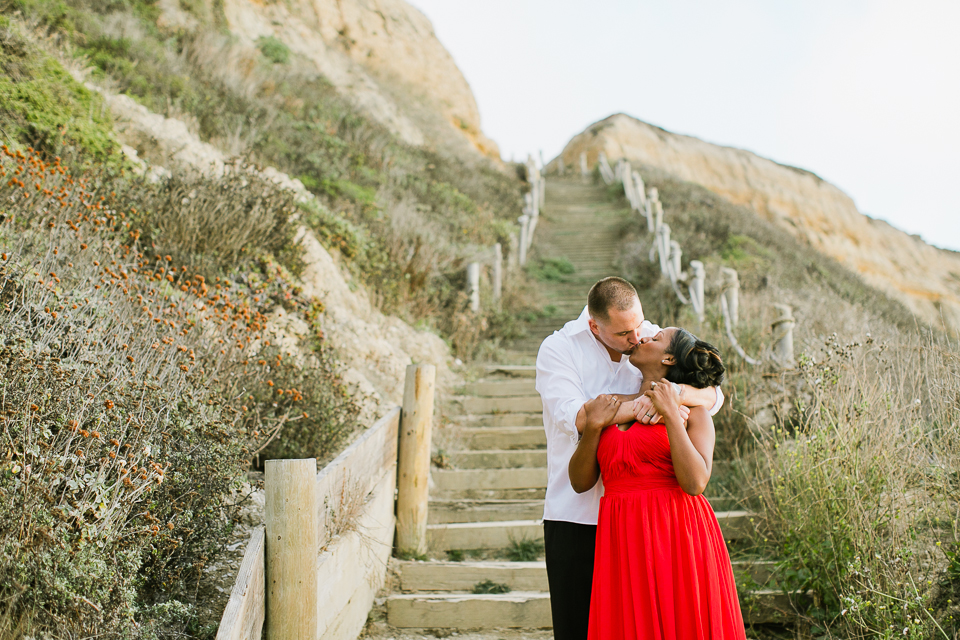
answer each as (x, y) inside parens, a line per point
(649, 408)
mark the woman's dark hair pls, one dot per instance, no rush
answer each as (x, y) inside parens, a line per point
(698, 363)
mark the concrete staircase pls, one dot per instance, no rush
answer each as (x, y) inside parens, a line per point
(486, 498)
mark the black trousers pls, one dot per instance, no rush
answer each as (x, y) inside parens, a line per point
(569, 551)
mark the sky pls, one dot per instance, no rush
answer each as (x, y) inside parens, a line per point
(864, 93)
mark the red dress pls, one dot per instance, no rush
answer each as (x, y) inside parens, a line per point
(662, 570)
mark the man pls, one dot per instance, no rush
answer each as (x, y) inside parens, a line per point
(587, 358)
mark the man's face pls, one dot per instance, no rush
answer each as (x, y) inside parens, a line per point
(621, 332)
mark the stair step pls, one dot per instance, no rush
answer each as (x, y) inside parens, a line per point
(522, 576)
(482, 535)
(531, 609)
(517, 370)
(486, 438)
(480, 493)
(518, 404)
(462, 576)
(501, 388)
(517, 609)
(498, 459)
(736, 525)
(448, 511)
(534, 419)
(516, 478)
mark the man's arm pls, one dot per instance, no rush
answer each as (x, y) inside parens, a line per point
(560, 386)
(710, 398)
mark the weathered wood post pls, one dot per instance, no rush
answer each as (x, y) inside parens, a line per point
(731, 291)
(663, 248)
(543, 193)
(676, 260)
(783, 334)
(413, 459)
(292, 537)
(696, 287)
(497, 273)
(639, 194)
(513, 258)
(584, 169)
(473, 285)
(524, 221)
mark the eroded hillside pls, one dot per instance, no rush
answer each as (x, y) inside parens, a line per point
(384, 55)
(923, 277)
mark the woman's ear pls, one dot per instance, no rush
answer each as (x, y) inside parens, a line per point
(669, 360)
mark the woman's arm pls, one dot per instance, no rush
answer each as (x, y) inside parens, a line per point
(691, 448)
(584, 470)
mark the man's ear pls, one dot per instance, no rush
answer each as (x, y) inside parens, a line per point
(669, 360)
(593, 326)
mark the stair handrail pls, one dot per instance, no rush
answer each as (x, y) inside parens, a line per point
(670, 255)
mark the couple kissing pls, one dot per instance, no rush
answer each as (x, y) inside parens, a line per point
(633, 549)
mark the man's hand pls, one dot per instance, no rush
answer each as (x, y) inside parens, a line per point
(601, 411)
(647, 414)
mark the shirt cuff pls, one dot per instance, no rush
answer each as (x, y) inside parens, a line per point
(718, 403)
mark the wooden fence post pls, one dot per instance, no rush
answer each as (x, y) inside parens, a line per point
(676, 261)
(291, 548)
(640, 189)
(413, 464)
(783, 334)
(473, 285)
(524, 221)
(731, 291)
(497, 273)
(696, 288)
(584, 170)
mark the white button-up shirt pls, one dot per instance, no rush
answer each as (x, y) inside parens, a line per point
(573, 367)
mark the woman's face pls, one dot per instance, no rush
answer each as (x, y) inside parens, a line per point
(653, 350)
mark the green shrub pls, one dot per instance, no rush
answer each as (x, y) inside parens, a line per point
(42, 106)
(524, 550)
(550, 269)
(273, 50)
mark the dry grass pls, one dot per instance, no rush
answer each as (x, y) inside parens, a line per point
(861, 488)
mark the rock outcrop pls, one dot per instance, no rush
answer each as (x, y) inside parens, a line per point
(385, 56)
(923, 277)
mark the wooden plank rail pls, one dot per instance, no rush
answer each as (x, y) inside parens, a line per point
(243, 616)
(316, 567)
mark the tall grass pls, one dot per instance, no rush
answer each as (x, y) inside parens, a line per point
(860, 489)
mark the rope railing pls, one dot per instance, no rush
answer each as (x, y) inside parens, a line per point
(520, 244)
(668, 252)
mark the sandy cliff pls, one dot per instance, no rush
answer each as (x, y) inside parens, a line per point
(385, 56)
(925, 278)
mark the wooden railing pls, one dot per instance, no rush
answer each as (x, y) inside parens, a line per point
(313, 570)
(668, 252)
(520, 244)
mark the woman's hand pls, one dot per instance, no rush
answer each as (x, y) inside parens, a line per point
(666, 401)
(646, 413)
(601, 411)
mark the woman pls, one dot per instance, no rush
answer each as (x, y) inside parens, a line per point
(662, 570)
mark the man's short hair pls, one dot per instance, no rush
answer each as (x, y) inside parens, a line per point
(612, 292)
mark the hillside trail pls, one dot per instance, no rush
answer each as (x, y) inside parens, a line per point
(484, 576)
